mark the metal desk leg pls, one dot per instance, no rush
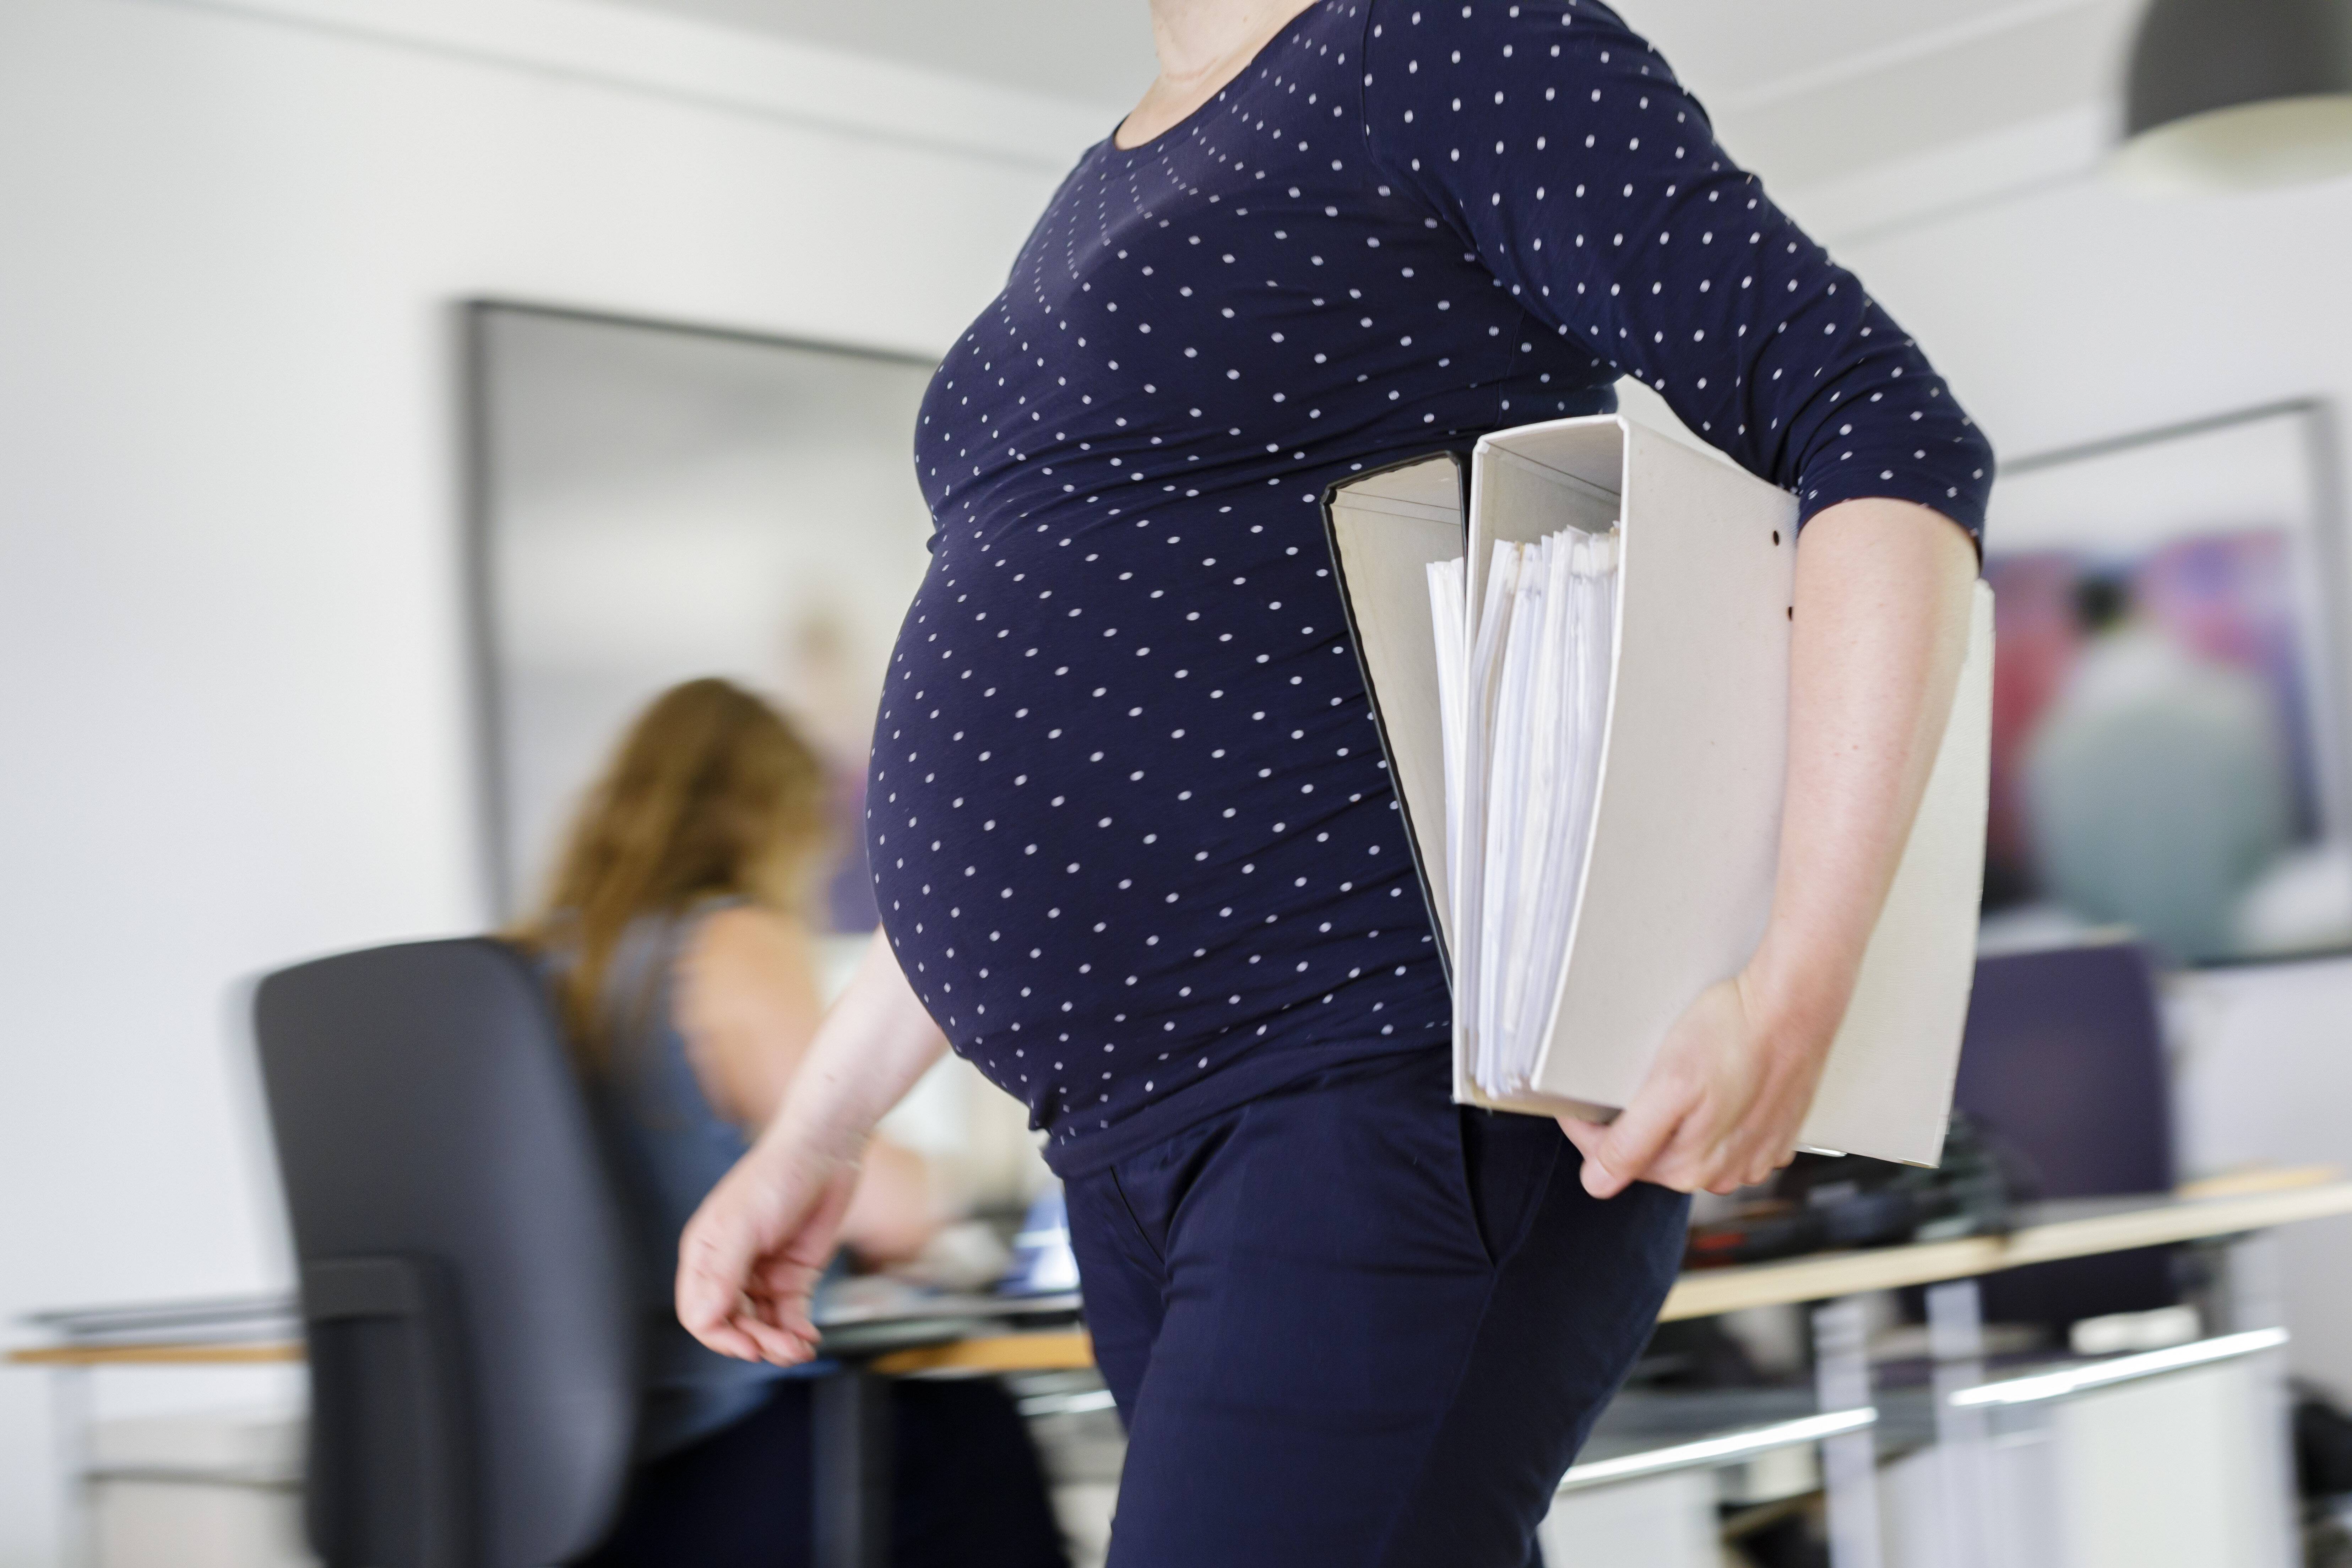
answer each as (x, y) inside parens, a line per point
(1850, 1461)
(852, 1452)
(2249, 1291)
(1963, 1438)
(71, 1439)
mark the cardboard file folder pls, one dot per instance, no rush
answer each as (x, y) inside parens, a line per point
(1684, 834)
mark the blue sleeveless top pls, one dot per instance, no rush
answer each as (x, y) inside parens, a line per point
(668, 1147)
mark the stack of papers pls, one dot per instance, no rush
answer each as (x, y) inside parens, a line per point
(1522, 707)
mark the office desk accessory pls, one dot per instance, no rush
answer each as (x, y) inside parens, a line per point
(1677, 867)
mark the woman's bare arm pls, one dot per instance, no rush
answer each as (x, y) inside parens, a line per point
(1882, 616)
(754, 1252)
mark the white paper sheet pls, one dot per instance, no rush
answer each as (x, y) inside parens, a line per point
(1522, 713)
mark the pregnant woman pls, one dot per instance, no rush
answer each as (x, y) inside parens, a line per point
(1134, 846)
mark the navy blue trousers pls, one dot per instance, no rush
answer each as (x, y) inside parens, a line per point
(1352, 1325)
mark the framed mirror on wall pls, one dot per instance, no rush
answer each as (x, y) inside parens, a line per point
(653, 503)
(656, 503)
(2171, 674)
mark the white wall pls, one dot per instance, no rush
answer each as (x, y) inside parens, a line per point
(2073, 310)
(234, 722)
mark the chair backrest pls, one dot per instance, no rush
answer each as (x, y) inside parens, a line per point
(2064, 1062)
(464, 1264)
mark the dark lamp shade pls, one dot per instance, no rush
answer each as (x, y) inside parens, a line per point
(2239, 94)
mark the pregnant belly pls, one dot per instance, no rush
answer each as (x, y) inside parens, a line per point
(1121, 829)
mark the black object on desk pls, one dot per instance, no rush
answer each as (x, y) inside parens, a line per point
(1825, 1202)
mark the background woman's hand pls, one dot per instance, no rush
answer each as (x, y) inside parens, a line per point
(1721, 1105)
(751, 1257)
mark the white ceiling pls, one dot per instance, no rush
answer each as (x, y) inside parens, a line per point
(1802, 90)
(1733, 50)
(1095, 51)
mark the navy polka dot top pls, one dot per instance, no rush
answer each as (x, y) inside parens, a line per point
(1131, 833)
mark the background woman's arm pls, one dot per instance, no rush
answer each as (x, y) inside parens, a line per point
(748, 1004)
(755, 1249)
(749, 1007)
(1882, 617)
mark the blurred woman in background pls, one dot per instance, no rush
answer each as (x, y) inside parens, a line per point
(676, 934)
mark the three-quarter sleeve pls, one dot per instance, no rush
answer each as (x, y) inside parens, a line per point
(1561, 148)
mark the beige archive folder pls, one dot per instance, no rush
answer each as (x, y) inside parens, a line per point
(1685, 831)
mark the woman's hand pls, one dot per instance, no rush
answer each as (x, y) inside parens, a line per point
(1721, 1105)
(751, 1257)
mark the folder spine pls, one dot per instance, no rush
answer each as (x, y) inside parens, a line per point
(1424, 875)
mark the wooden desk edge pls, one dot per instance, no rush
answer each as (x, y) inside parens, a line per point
(1060, 1350)
(1821, 1277)
(160, 1355)
(1054, 1352)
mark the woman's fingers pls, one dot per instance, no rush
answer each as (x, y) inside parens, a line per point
(776, 1345)
(1693, 1162)
(785, 1293)
(727, 1339)
(1766, 1139)
(1631, 1144)
(1764, 1145)
(1586, 1135)
(1768, 1159)
(1727, 1173)
(714, 1265)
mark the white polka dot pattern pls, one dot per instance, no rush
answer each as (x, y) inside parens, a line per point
(1131, 835)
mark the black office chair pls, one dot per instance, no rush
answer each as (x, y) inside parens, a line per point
(2063, 1064)
(473, 1390)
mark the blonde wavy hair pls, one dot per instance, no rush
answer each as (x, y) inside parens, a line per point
(711, 794)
